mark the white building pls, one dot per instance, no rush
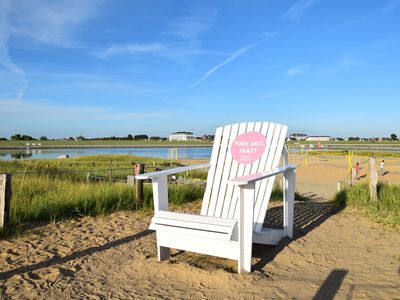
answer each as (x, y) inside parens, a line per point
(322, 138)
(182, 136)
(298, 136)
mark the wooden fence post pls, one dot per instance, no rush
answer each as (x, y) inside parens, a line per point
(373, 179)
(5, 199)
(139, 169)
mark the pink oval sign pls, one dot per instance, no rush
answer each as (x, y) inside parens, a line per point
(248, 147)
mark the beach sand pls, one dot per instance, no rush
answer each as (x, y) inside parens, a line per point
(343, 255)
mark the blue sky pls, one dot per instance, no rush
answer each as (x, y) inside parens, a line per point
(114, 67)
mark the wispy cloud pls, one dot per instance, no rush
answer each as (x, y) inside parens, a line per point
(343, 63)
(51, 22)
(298, 9)
(44, 111)
(239, 52)
(5, 58)
(94, 83)
(182, 38)
(131, 49)
(275, 94)
(335, 29)
(190, 28)
(391, 6)
(235, 55)
(39, 21)
(297, 70)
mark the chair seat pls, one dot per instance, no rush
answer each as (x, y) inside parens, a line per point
(188, 224)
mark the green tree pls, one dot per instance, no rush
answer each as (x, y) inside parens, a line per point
(130, 137)
(43, 138)
(393, 137)
(16, 137)
(141, 137)
(27, 138)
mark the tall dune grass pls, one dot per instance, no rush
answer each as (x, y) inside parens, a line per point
(42, 198)
(386, 210)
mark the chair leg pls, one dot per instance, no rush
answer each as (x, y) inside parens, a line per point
(246, 199)
(288, 203)
(163, 253)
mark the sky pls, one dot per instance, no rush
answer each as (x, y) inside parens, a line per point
(118, 67)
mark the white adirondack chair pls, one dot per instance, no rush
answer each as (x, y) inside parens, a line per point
(235, 200)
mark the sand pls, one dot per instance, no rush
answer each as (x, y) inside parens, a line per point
(114, 257)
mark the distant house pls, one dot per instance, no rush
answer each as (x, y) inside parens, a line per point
(321, 138)
(182, 136)
(208, 137)
(298, 136)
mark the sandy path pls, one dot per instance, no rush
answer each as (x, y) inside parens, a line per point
(113, 257)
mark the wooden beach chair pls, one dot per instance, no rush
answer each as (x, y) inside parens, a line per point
(242, 170)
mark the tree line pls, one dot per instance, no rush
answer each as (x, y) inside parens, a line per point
(129, 137)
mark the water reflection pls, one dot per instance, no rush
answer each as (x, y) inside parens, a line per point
(167, 153)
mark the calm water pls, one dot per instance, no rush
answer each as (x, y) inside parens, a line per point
(173, 153)
(180, 153)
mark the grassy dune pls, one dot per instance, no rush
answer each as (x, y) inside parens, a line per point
(53, 190)
(386, 210)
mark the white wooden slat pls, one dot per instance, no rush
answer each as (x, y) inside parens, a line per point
(204, 245)
(240, 172)
(195, 218)
(211, 171)
(265, 201)
(219, 170)
(171, 171)
(222, 200)
(233, 191)
(185, 233)
(249, 167)
(232, 174)
(191, 225)
(264, 160)
(268, 165)
(256, 166)
(261, 127)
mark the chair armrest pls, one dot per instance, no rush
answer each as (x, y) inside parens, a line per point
(171, 171)
(244, 180)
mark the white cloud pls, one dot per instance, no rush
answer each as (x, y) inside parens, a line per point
(31, 111)
(239, 52)
(51, 22)
(5, 58)
(298, 9)
(94, 83)
(236, 54)
(190, 28)
(131, 49)
(41, 21)
(182, 39)
(297, 70)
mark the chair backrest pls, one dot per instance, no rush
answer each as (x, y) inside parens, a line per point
(220, 197)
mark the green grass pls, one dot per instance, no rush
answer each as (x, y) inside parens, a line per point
(386, 210)
(46, 199)
(51, 190)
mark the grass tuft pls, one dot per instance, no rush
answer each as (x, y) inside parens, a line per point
(386, 210)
